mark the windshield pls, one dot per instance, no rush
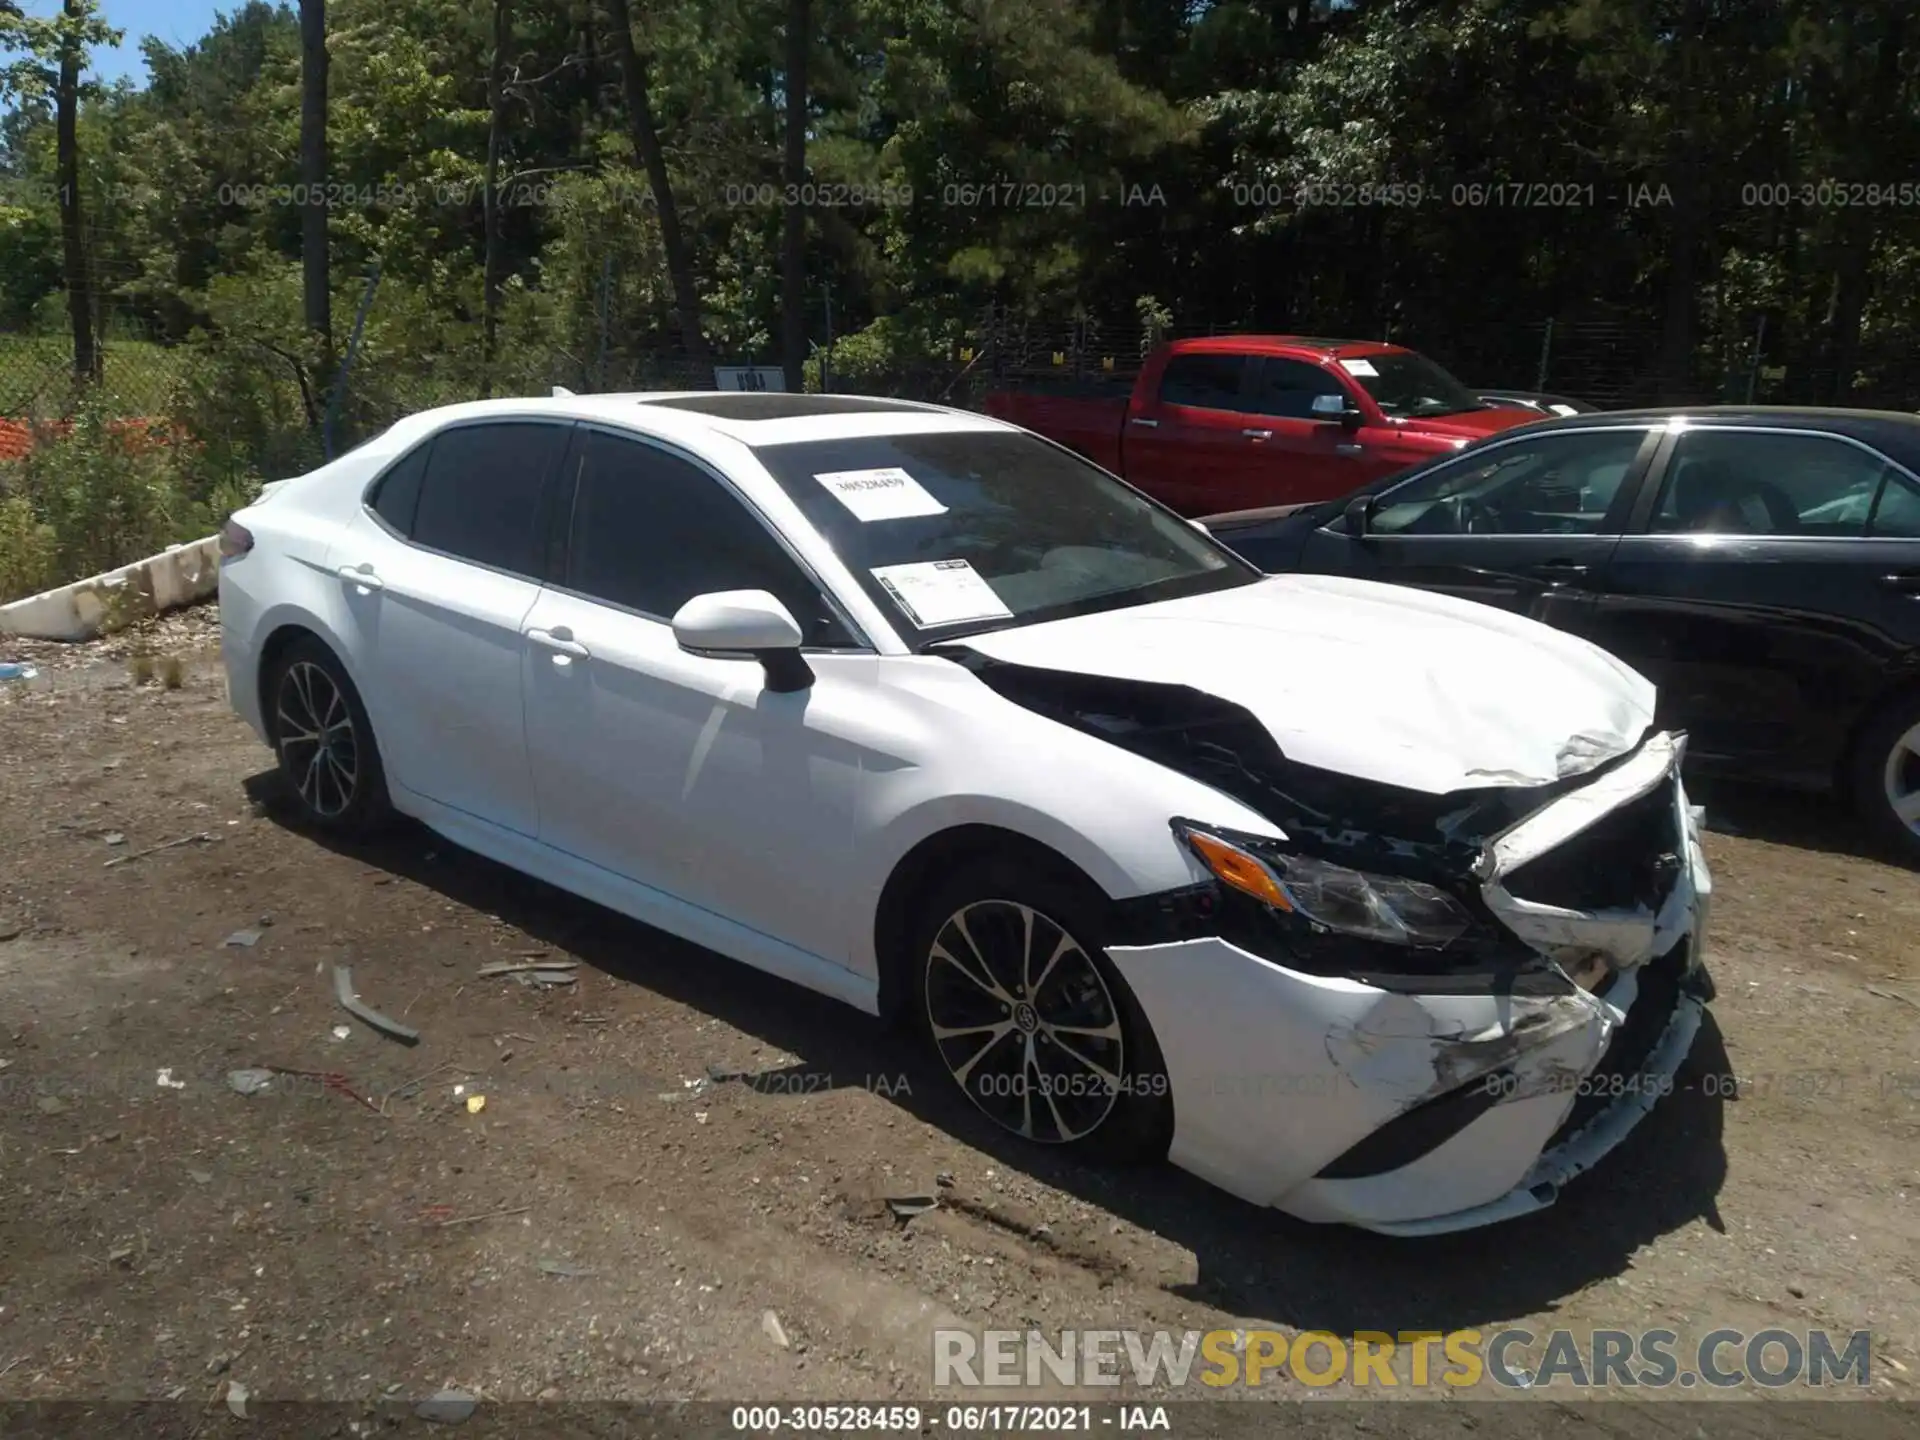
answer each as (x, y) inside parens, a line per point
(1407, 386)
(960, 532)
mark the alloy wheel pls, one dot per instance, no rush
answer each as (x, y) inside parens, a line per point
(1024, 1021)
(318, 747)
(1900, 779)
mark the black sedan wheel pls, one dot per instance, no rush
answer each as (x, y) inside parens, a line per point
(1886, 778)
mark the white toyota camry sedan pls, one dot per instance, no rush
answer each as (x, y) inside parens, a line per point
(1376, 906)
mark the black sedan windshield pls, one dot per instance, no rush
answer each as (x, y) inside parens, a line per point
(957, 532)
(1410, 387)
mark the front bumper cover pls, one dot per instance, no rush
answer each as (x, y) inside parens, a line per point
(1278, 1074)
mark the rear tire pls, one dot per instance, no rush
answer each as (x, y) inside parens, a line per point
(1885, 778)
(1030, 1018)
(324, 741)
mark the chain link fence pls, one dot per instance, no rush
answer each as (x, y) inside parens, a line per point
(174, 435)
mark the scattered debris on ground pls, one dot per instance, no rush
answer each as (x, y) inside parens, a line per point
(389, 1248)
(350, 1002)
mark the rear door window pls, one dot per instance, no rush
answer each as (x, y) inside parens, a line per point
(483, 497)
(397, 496)
(1897, 514)
(1207, 382)
(1765, 482)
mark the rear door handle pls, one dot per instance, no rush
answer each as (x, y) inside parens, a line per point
(1258, 434)
(1144, 423)
(361, 575)
(559, 640)
(1907, 582)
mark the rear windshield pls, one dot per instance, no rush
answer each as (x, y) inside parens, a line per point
(955, 533)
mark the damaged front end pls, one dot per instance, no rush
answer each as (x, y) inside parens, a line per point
(1508, 976)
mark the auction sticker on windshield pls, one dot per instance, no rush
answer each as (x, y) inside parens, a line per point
(884, 494)
(1362, 368)
(941, 592)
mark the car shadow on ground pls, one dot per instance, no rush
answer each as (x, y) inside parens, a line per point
(1802, 819)
(1257, 1264)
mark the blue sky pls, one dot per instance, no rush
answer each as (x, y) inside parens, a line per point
(177, 22)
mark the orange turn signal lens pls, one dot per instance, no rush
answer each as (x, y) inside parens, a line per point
(1234, 866)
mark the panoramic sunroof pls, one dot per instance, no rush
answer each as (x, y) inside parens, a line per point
(760, 405)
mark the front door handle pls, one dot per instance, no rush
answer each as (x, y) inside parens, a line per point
(1907, 582)
(1560, 570)
(559, 640)
(1258, 434)
(1349, 448)
(1144, 423)
(361, 575)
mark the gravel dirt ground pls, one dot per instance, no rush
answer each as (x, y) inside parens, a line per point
(669, 1178)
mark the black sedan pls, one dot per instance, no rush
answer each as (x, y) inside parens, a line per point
(1760, 566)
(1536, 401)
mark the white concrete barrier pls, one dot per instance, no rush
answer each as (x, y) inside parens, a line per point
(177, 576)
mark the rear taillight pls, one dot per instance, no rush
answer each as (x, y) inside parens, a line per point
(235, 540)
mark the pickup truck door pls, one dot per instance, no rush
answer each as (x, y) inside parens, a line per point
(1185, 437)
(1293, 455)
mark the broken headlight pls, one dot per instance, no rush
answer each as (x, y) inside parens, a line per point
(1353, 902)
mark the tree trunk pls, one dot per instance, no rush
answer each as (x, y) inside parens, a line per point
(490, 198)
(793, 237)
(314, 272)
(1678, 328)
(1859, 227)
(646, 148)
(86, 353)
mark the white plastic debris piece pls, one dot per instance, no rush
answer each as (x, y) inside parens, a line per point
(237, 1396)
(166, 1081)
(342, 1032)
(775, 1331)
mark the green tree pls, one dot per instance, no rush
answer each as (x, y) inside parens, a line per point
(54, 59)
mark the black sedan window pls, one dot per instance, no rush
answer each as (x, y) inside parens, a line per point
(1897, 515)
(1769, 482)
(1559, 483)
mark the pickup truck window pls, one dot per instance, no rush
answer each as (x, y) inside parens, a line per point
(1407, 386)
(1051, 534)
(1288, 387)
(1212, 382)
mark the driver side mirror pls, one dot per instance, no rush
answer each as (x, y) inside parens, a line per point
(1336, 407)
(746, 624)
(1359, 516)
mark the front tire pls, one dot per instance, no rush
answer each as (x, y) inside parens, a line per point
(324, 742)
(1028, 1016)
(1886, 776)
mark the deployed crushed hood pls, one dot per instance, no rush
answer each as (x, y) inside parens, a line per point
(1398, 686)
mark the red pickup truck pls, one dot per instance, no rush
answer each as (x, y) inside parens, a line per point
(1238, 422)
